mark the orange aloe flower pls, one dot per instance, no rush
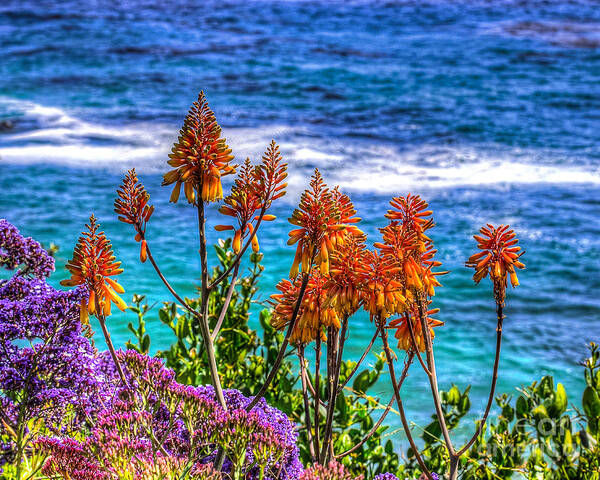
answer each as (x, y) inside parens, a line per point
(499, 258)
(412, 212)
(315, 314)
(199, 157)
(323, 217)
(403, 333)
(254, 190)
(406, 245)
(347, 274)
(92, 265)
(132, 207)
(382, 291)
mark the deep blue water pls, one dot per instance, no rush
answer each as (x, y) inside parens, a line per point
(490, 110)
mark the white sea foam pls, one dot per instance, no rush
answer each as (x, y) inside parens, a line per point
(51, 135)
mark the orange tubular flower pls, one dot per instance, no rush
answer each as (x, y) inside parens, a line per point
(315, 314)
(132, 207)
(499, 258)
(254, 190)
(406, 245)
(347, 274)
(411, 211)
(92, 264)
(323, 217)
(200, 157)
(403, 333)
(382, 291)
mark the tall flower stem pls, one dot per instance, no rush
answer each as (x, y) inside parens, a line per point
(500, 319)
(395, 386)
(226, 303)
(168, 285)
(284, 344)
(360, 360)
(317, 389)
(309, 435)
(364, 440)
(415, 347)
(239, 256)
(107, 339)
(333, 346)
(204, 295)
(433, 383)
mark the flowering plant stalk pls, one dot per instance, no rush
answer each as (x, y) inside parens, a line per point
(406, 244)
(200, 158)
(91, 267)
(335, 274)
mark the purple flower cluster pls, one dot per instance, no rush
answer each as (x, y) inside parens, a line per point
(332, 471)
(47, 366)
(385, 476)
(16, 250)
(155, 422)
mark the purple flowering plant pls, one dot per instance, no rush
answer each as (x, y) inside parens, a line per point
(155, 426)
(47, 361)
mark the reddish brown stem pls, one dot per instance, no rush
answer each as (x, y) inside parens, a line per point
(239, 256)
(383, 415)
(500, 316)
(168, 285)
(364, 355)
(109, 344)
(433, 383)
(317, 403)
(415, 347)
(302, 360)
(283, 347)
(405, 425)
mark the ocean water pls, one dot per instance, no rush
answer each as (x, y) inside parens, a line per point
(489, 110)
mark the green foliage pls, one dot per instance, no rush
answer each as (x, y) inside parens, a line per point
(245, 358)
(536, 436)
(142, 344)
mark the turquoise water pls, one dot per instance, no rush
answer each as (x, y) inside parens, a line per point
(488, 110)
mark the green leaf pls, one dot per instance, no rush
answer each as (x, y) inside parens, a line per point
(559, 405)
(522, 407)
(591, 403)
(453, 396)
(145, 343)
(361, 382)
(164, 317)
(546, 387)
